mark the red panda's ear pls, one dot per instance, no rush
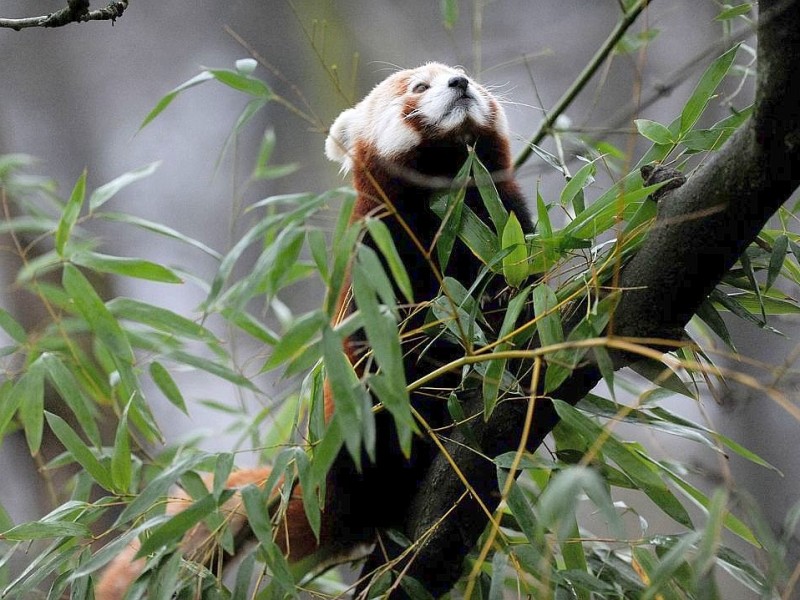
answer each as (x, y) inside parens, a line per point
(339, 145)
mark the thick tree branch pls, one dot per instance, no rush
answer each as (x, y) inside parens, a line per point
(701, 230)
(76, 11)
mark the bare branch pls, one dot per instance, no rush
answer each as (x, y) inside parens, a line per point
(76, 11)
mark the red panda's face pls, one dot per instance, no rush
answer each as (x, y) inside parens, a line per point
(433, 101)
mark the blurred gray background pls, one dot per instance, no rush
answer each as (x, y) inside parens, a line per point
(74, 97)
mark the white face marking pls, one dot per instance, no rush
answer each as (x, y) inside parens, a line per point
(433, 99)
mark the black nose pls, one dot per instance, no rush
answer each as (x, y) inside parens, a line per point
(459, 81)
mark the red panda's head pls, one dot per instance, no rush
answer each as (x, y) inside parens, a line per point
(433, 101)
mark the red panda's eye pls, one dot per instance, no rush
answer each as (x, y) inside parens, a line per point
(420, 87)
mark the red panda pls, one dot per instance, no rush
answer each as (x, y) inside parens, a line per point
(403, 142)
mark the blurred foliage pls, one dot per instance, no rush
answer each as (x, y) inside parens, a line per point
(539, 546)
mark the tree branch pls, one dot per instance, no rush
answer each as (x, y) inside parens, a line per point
(702, 229)
(76, 11)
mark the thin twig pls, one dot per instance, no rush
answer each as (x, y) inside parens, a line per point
(76, 11)
(577, 86)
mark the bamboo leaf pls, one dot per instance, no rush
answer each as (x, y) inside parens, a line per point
(172, 531)
(70, 214)
(779, 249)
(72, 394)
(345, 388)
(121, 463)
(167, 385)
(167, 99)
(655, 132)
(255, 504)
(12, 327)
(127, 267)
(155, 491)
(242, 83)
(449, 10)
(93, 310)
(496, 369)
(630, 462)
(80, 452)
(575, 185)
(159, 229)
(515, 263)
(39, 530)
(489, 195)
(159, 318)
(296, 339)
(383, 239)
(27, 396)
(705, 89)
(105, 192)
(215, 367)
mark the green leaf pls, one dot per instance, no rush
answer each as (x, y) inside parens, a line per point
(72, 394)
(515, 263)
(380, 326)
(27, 396)
(705, 90)
(80, 452)
(39, 530)
(621, 201)
(121, 463)
(159, 318)
(449, 13)
(167, 100)
(213, 366)
(250, 325)
(263, 170)
(383, 239)
(93, 310)
(127, 267)
(11, 401)
(159, 229)
(113, 548)
(707, 140)
(544, 226)
(548, 319)
(495, 369)
(346, 391)
(488, 192)
(731, 12)
(167, 385)
(172, 530)
(711, 317)
(255, 504)
(631, 463)
(575, 185)
(731, 522)
(456, 310)
(105, 192)
(478, 236)
(70, 214)
(155, 491)
(243, 83)
(12, 327)
(653, 131)
(712, 534)
(297, 339)
(779, 249)
(662, 575)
